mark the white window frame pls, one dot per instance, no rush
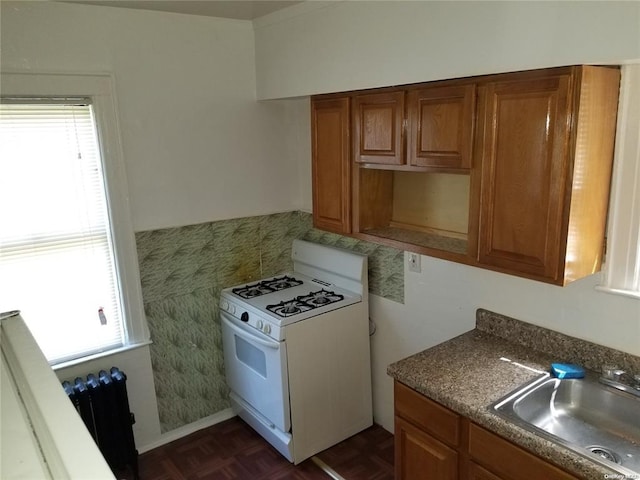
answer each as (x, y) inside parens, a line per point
(621, 272)
(100, 89)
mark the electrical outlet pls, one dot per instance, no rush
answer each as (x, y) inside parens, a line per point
(414, 262)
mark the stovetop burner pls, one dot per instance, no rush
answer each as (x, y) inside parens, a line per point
(304, 303)
(281, 283)
(288, 308)
(321, 298)
(266, 286)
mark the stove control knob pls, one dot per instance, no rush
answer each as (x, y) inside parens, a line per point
(244, 317)
(232, 309)
(267, 329)
(224, 305)
(259, 324)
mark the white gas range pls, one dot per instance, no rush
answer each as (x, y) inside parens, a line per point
(275, 302)
(296, 351)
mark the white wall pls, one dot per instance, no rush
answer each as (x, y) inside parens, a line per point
(297, 141)
(196, 144)
(353, 45)
(320, 47)
(441, 301)
(193, 135)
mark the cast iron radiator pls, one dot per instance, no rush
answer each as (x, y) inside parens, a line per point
(103, 404)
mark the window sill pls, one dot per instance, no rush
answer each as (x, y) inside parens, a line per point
(617, 291)
(106, 353)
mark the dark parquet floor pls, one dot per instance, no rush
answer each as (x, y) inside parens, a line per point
(231, 450)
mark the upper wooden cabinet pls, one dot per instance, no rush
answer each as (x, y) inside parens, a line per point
(508, 172)
(418, 127)
(441, 126)
(331, 165)
(378, 127)
(545, 144)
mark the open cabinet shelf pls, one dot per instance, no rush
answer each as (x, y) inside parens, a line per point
(421, 209)
(421, 239)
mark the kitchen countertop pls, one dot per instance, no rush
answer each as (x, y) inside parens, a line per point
(468, 373)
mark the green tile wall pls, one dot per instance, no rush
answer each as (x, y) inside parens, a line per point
(182, 272)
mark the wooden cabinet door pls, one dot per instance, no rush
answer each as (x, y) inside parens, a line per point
(441, 126)
(524, 127)
(331, 166)
(419, 456)
(378, 121)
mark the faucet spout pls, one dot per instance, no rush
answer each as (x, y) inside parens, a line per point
(620, 379)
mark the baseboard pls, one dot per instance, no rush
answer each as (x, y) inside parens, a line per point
(188, 429)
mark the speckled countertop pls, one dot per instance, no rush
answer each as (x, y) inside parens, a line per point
(470, 372)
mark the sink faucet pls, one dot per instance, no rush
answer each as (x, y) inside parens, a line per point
(620, 379)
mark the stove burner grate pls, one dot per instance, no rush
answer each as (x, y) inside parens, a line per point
(252, 290)
(266, 286)
(288, 308)
(321, 298)
(304, 303)
(282, 283)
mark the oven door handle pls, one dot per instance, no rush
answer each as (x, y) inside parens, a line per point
(248, 335)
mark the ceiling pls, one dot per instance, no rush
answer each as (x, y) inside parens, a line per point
(237, 9)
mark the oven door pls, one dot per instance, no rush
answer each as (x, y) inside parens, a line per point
(256, 369)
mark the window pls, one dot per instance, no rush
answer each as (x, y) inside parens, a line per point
(622, 265)
(67, 253)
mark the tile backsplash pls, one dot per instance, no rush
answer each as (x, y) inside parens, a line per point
(182, 271)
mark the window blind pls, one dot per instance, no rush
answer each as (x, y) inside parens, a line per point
(56, 254)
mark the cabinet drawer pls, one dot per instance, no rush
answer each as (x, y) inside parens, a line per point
(508, 461)
(476, 472)
(430, 416)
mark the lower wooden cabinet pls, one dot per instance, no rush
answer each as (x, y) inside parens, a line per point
(420, 456)
(434, 443)
(427, 437)
(508, 461)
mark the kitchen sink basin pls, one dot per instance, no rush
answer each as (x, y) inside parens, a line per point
(594, 420)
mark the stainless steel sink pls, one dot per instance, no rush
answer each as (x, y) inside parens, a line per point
(594, 420)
